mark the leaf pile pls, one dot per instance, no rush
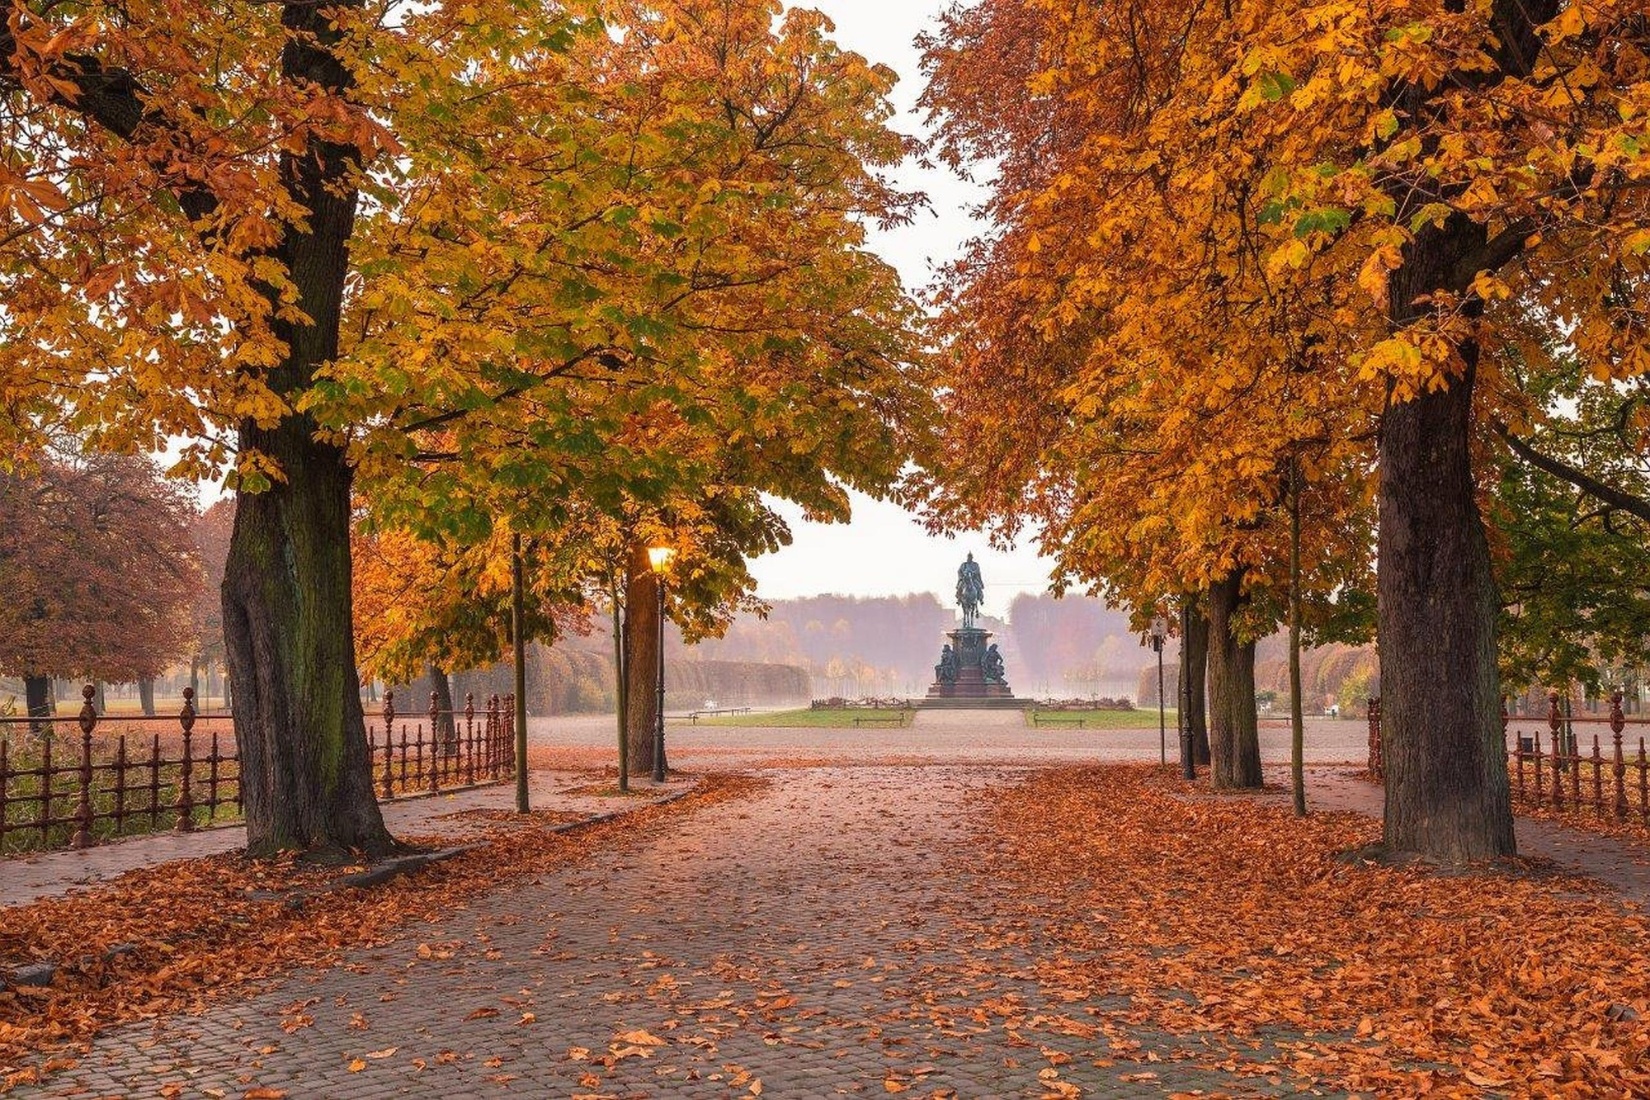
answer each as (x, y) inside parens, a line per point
(1403, 981)
(196, 933)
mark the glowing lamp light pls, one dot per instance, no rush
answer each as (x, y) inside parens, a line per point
(660, 557)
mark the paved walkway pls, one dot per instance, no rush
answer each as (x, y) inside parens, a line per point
(826, 937)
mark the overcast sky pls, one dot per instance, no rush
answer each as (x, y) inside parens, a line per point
(885, 551)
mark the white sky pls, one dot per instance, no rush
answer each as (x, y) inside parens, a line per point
(884, 551)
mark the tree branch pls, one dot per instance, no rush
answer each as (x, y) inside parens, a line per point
(114, 99)
(1608, 494)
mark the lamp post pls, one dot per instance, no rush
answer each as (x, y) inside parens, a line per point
(1159, 632)
(660, 557)
(1188, 766)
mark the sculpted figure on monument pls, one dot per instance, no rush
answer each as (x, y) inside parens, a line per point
(970, 591)
(946, 671)
(992, 665)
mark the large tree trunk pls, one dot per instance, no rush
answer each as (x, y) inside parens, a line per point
(37, 700)
(146, 695)
(1234, 727)
(1194, 662)
(305, 767)
(306, 776)
(1446, 777)
(641, 642)
(442, 688)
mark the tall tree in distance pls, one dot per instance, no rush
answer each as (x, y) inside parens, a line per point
(100, 571)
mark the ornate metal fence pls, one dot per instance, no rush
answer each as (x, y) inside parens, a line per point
(1568, 769)
(74, 783)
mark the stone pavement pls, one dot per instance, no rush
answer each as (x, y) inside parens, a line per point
(827, 936)
(50, 874)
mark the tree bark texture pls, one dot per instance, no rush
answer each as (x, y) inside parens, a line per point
(1194, 660)
(641, 641)
(146, 695)
(1234, 727)
(1446, 778)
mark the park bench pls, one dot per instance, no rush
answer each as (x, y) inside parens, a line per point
(892, 718)
(1058, 720)
(694, 716)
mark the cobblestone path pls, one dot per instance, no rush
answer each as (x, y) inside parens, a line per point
(828, 936)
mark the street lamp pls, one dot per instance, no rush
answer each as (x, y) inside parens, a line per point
(1188, 766)
(660, 557)
(1159, 632)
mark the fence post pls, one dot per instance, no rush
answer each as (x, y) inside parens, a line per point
(83, 813)
(120, 784)
(436, 758)
(1644, 786)
(435, 720)
(1598, 778)
(389, 730)
(1539, 797)
(509, 723)
(1555, 723)
(1377, 764)
(186, 800)
(490, 720)
(1518, 765)
(1618, 722)
(5, 777)
(389, 761)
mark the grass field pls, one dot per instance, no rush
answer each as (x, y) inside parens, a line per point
(804, 718)
(1102, 719)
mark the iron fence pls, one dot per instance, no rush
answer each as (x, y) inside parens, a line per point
(1610, 776)
(106, 777)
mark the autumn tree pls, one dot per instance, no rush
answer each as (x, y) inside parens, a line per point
(1388, 179)
(100, 571)
(307, 236)
(707, 180)
(1146, 450)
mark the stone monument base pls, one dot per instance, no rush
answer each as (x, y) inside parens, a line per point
(971, 687)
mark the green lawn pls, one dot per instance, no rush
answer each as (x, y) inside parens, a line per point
(803, 718)
(1103, 719)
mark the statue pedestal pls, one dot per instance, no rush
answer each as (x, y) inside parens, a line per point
(969, 644)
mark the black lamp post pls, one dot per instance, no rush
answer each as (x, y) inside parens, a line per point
(659, 557)
(1188, 766)
(1160, 632)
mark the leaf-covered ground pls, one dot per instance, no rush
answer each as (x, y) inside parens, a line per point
(187, 932)
(1225, 915)
(960, 931)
